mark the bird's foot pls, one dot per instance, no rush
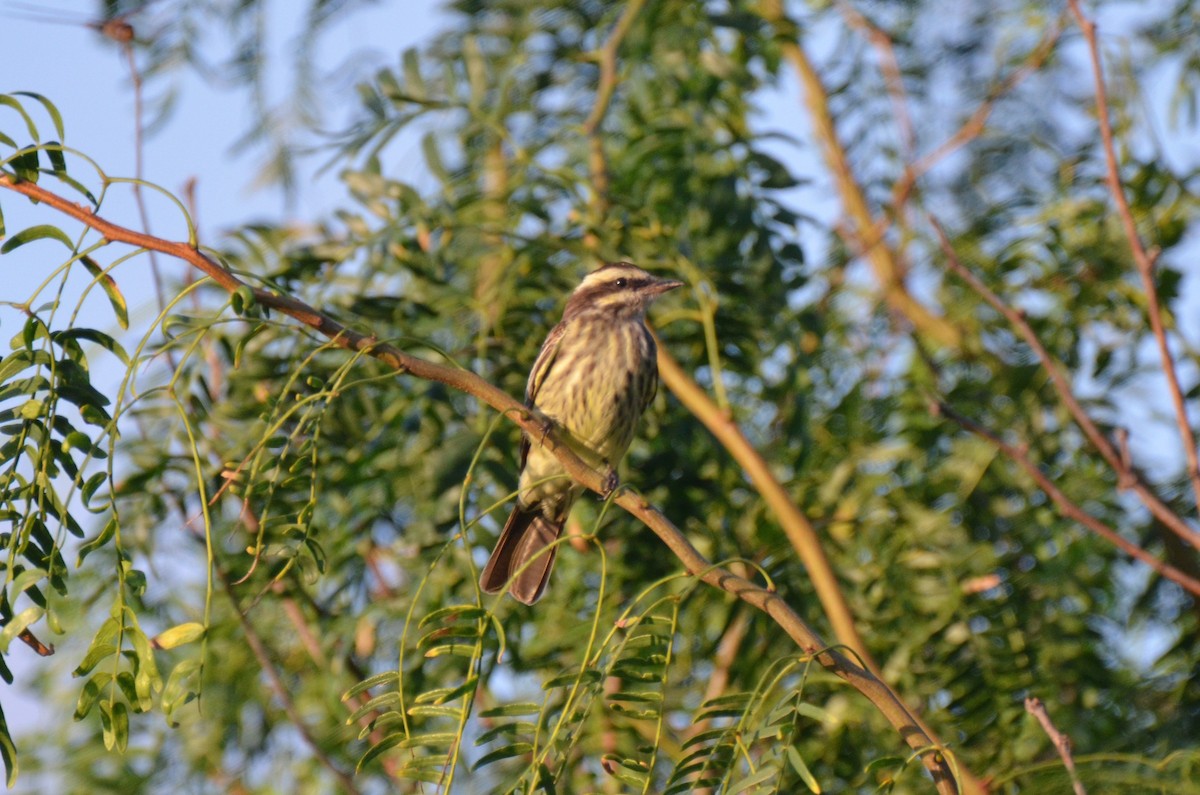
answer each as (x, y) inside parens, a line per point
(545, 425)
(610, 482)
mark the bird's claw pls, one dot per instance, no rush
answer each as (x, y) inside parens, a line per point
(545, 425)
(610, 482)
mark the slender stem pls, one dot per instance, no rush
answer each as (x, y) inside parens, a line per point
(259, 650)
(1062, 385)
(884, 262)
(1141, 257)
(1066, 506)
(1062, 742)
(607, 58)
(922, 741)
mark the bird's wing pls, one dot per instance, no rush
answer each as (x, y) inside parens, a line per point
(537, 376)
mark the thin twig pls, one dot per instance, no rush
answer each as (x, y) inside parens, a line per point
(723, 660)
(884, 262)
(1066, 506)
(29, 639)
(308, 639)
(259, 650)
(1062, 742)
(1062, 386)
(976, 122)
(1141, 257)
(889, 66)
(932, 751)
(607, 59)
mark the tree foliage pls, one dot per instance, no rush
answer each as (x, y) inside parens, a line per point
(926, 314)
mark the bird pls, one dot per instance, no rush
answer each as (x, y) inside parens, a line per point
(596, 373)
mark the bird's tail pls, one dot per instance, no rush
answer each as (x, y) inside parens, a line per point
(523, 540)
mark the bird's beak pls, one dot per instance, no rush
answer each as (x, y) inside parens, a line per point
(661, 286)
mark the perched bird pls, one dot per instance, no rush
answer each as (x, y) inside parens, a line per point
(595, 375)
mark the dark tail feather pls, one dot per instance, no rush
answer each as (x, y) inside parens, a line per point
(523, 537)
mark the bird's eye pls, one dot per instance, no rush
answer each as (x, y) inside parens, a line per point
(621, 282)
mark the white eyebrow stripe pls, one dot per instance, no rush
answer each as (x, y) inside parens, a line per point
(609, 275)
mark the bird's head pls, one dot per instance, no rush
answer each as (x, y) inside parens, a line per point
(618, 288)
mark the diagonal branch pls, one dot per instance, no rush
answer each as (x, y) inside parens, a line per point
(975, 124)
(260, 652)
(1062, 742)
(607, 87)
(931, 749)
(1141, 257)
(799, 531)
(1066, 506)
(883, 260)
(1062, 385)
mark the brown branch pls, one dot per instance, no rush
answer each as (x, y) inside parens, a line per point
(889, 66)
(29, 639)
(1062, 742)
(1066, 506)
(259, 650)
(1062, 386)
(607, 59)
(312, 646)
(882, 259)
(799, 531)
(806, 638)
(1141, 257)
(976, 122)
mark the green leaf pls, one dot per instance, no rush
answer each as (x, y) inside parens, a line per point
(90, 693)
(51, 110)
(92, 335)
(24, 580)
(513, 728)
(182, 686)
(120, 726)
(589, 676)
(765, 773)
(504, 752)
(102, 538)
(453, 612)
(40, 232)
(388, 678)
(430, 711)
(383, 701)
(386, 744)
(178, 635)
(8, 750)
(6, 99)
(109, 285)
(516, 709)
(146, 677)
(18, 624)
(102, 647)
(797, 763)
(21, 360)
(446, 695)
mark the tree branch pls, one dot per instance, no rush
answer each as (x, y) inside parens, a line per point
(799, 531)
(1062, 385)
(931, 749)
(607, 58)
(259, 650)
(1141, 257)
(1066, 506)
(881, 258)
(1062, 742)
